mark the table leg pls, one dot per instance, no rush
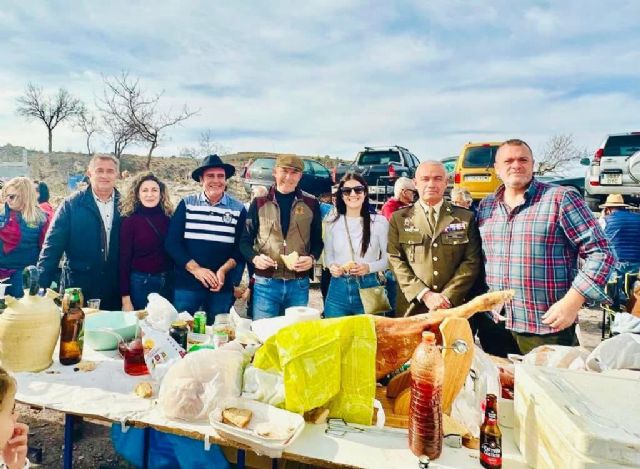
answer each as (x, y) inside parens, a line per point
(68, 441)
(241, 455)
(274, 463)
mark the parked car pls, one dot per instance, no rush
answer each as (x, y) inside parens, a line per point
(615, 168)
(316, 178)
(380, 167)
(474, 169)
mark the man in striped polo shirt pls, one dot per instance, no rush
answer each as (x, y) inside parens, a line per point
(203, 241)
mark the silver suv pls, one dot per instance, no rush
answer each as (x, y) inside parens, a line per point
(615, 168)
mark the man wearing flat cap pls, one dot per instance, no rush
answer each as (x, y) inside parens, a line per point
(622, 228)
(285, 221)
(203, 239)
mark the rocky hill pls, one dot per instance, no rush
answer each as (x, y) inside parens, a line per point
(55, 169)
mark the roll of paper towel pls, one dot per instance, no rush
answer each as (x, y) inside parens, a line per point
(302, 313)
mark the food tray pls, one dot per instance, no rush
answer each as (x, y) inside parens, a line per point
(262, 413)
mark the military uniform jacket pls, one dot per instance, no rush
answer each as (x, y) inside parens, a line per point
(447, 261)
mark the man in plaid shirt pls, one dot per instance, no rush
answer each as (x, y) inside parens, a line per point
(532, 236)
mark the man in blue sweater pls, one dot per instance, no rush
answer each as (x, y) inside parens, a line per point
(203, 241)
(622, 228)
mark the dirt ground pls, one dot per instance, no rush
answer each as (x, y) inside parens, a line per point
(94, 449)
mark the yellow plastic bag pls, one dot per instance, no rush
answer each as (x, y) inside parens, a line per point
(329, 362)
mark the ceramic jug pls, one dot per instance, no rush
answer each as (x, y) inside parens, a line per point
(29, 328)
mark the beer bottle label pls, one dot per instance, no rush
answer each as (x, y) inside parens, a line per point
(491, 453)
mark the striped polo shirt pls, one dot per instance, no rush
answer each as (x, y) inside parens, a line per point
(207, 233)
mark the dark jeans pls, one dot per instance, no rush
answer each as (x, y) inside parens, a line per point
(527, 342)
(494, 338)
(142, 284)
(212, 303)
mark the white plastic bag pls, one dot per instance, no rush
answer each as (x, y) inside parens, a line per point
(193, 386)
(557, 356)
(161, 312)
(160, 350)
(263, 386)
(617, 353)
(484, 378)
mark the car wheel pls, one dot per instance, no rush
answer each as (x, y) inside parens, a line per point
(593, 202)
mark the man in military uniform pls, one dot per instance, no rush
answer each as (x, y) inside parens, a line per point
(434, 247)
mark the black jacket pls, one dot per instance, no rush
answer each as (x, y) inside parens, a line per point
(78, 232)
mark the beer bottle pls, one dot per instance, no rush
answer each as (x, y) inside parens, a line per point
(491, 436)
(71, 327)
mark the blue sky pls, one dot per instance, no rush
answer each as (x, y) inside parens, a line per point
(330, 77)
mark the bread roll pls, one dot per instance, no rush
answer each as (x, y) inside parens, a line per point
(290, 259)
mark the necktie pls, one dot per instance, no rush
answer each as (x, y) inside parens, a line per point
(431, 219)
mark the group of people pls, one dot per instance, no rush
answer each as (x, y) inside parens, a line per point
(537, 239)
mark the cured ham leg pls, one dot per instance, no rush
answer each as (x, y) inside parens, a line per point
(398, 337)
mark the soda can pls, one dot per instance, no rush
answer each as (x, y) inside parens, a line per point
(200, 322)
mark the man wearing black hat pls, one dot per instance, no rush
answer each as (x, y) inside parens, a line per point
(203, 241)
(283, 225)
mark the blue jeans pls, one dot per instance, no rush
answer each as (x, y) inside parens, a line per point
(343, 298)
(271, 296)
(212, 303)
(141, 285)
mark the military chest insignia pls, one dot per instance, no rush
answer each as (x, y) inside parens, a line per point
(409, 226)
(455, 227)
(299, 210)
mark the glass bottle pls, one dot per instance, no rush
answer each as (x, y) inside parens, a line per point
(425, 410)
(71, 327)
(491, 436)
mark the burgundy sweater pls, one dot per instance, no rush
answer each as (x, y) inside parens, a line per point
(141, 249)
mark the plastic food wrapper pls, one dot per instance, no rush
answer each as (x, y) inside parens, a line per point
(160, 350)
(617, 353)
(328, 362)
(557, 356)
(468, 406)
(263, 386)
(193, 386)
(160, 312)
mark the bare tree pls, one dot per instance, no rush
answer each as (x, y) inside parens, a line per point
(51, 110)
(558, 154)
(209, 145)
(88, 123)
(139, 114)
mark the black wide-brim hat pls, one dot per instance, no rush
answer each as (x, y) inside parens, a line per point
(213, 161)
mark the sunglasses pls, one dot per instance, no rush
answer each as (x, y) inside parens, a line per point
(348, 190)
(12, 197)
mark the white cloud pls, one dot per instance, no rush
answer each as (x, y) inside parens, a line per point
(329, 77)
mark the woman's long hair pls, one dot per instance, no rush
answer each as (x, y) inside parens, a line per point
(365, 211)
(32, 214)
(131, 200)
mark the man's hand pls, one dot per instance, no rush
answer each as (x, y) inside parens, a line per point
(221, 274)
(206, 277)
(303, 263)
(335, 270)
(435, 301)
(15, 450)
(264, 262)
(127, 305)
(563, 313)
(359, 269)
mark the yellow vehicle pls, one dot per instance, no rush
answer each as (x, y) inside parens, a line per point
(474, 169)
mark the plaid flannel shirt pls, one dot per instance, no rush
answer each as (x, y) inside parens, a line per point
(534, 249)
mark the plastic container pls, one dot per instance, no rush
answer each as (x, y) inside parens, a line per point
(425, 409)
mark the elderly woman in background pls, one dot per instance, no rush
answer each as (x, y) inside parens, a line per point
(461, 197)
(145, 267)
(355, 248)
(404, 194)
(23, 225)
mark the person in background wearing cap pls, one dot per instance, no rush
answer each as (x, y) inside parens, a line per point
(622, 228)
(404, 194)
(203, 238)
(283, 221)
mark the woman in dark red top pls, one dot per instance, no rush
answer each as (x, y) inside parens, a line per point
(145, 267)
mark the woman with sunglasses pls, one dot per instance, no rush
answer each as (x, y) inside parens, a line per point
(355, 247)
(23, 226)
